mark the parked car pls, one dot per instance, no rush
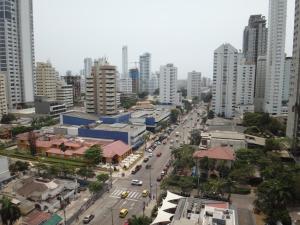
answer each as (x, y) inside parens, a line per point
(137, 182)
(158, 154)
(88, 218)
(163, 173)
(148, 166)
(146, 160)
(159, 179)
(150, 154)
(123, 213)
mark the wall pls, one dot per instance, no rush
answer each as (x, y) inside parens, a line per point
(124, 118)
(104, 134)
(70, 120)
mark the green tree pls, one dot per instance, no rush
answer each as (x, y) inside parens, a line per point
(94, 154)
(143, 95)
(156, 92)
(183, 92)
(10, 213)
(86, 172)
(95, 186)
(102, 177)
(139, 220)
(7, 118)
(174, 115)
(272, 144)
(214, 187)
(195, 100)
(63, 147)
(195, 138)
(187, 105)
(18, 166)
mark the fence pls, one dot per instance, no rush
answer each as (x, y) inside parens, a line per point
(87, 204)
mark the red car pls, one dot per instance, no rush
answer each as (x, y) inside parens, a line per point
(158, 179)
(158, 154)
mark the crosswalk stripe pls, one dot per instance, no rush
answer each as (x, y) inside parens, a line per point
(135, 194)
(131, 194)
(118, 192)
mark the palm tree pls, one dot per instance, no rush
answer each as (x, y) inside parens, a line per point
(9, 212)
(141, 220)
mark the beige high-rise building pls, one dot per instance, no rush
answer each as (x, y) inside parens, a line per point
(101, 89)
(46, 80)
(3, 95)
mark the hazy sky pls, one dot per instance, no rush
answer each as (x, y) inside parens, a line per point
(183, 32)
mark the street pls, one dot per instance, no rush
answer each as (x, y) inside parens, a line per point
(107, 208)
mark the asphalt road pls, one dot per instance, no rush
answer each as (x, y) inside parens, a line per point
(107, 208)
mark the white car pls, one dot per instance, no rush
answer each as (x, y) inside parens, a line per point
(137, 182)
(150, 154)
(149, 150)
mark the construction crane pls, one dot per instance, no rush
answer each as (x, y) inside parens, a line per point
(135, 63)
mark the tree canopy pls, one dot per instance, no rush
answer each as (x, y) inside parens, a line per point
(94, 154)
(9, 212)
(174, 115)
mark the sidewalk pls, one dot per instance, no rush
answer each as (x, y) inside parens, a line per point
(149, 207)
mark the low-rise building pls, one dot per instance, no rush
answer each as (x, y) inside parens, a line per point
(49, 107)
(49, 145)
(64, 93)
(220, 154)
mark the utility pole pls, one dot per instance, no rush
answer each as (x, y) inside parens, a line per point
(110, 170)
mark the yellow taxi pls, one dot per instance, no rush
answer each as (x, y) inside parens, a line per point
(145, 193)
(123, 213)
(124, 194)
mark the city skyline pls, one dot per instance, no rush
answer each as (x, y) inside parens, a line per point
(163, 36)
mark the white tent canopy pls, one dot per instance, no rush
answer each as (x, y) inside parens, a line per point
(171, 196)
(167, 205)
(162, 217)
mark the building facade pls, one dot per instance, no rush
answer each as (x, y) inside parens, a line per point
(46, 80)
(255, 38)
(88, 64)
(260, 83)
(287, 79)
(3, 97)
(134, 75)
(275, 56)
(17, 51)
(293, 123)
(125, 85)
(102, 89)
(168, 84)
(75, 81)
(124, 62)
(153, 83)
(64, 93)
(145, 72)
(225, 80)
(194, 83)
(245, 84)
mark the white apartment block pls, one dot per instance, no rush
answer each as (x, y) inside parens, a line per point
(194, 85)
(17, 51)
(168, 84)
(245, 83)
(260, 83)
(46, 80)
(3, 98)
(89, 95)
(275, 56)
(225, 80)
(88, 64)
(125, 85)
(64, 93)
(145, 72)
(287, 79)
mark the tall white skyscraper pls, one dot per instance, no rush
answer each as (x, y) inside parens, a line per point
(275, 56)
(225, 80)
(194, 83)
(124, 62)
(145, 71)
(88, 64)
(153, 83)
(17, 51)
(168, 84)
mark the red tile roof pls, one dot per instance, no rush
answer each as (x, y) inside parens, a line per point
(222, 153)
(57, 151)
(116, 148)
(36, 218)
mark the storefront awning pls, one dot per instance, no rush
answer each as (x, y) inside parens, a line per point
(171, 196)
(162, 217)
(167, 205)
